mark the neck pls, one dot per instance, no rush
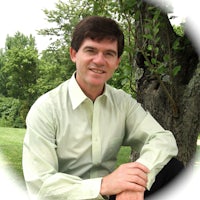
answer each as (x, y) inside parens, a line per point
(93, 93)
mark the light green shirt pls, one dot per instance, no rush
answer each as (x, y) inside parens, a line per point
(72, 142)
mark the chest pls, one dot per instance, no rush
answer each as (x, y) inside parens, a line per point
(91, 130)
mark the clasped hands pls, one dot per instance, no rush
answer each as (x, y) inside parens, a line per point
(127, 182)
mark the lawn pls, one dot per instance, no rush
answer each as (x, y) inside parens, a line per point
(11, 140)
(11, 146)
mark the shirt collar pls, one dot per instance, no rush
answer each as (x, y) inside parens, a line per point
(77, 96)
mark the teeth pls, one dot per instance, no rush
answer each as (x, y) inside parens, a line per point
(97, 71)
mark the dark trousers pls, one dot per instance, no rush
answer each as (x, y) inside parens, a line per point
(164, 177)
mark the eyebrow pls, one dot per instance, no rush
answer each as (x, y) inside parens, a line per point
(93, 48)
(89, 47)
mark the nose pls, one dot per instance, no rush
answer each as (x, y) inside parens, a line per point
(99, 59)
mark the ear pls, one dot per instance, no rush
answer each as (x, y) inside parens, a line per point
(72, 54)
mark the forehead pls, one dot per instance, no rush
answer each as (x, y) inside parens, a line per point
(104, 44)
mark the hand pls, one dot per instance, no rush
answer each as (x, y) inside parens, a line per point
(127, 177)
(130, 195)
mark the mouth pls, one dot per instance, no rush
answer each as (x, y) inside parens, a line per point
(97, 71)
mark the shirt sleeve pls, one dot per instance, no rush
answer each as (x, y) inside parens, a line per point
(40, 163)
(155, 145)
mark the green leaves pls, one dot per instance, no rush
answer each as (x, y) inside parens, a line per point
(19, 67)
(10, 109)
(153, 48)
(176, 70)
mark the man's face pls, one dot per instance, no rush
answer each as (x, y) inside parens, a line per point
(95, 62)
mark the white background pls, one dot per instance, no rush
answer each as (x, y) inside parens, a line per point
(25, 16)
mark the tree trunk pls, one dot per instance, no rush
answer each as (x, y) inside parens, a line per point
(172, 100)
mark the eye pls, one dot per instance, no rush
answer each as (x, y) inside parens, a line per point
(90, 50)
(110, 54)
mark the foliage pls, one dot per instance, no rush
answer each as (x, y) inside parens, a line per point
(155, 64)
(157, 50)
(11, 112)
(19, 68)
(179, 30)
(53, 69)
(124, 76)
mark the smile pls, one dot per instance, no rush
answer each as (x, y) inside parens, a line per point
(97, 71)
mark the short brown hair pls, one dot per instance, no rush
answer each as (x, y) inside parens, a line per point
(97, 28)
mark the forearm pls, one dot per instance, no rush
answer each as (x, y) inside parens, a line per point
(63, 186)
(44, 181)
(155, 145)
(156, 158)
(130, 195)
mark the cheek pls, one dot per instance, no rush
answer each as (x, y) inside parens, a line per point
(82, 60)
(116, 63)
(115, 66)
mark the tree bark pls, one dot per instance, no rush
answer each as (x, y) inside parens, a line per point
(172, 100)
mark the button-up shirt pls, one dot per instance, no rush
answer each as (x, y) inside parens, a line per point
(72, 142)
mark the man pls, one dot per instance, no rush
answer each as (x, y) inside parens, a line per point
(75, 131)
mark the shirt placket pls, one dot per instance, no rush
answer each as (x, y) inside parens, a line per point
(96, 140)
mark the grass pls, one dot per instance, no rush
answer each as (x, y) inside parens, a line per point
(11, 140)
(123, 156)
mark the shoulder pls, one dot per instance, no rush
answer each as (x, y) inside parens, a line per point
(50, 99)
(54, 94)
(120, 97)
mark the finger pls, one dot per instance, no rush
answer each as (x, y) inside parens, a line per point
(139, 166)
(137, 180)
(137, 173)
